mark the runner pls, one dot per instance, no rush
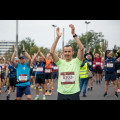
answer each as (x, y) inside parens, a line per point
(23, 73)
(117, 67)
(12, 79)
(89, 57)
(68, 80)
(98, 70)
(84, 77)
(48, 73)
(40, 74)
(110, 74)
(0, 79)
(54, 73)
(2, 63)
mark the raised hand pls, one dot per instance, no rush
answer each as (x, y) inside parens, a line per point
(15, 50)
(72, 29)
(23, 47)
(58, 32)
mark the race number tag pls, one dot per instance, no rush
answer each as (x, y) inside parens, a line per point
(39, 69)
(34, 69)
(67, 78)
(97, 63)
(118, 71)
(47, 70)
(22, 77)
(109, 65)
(90, 63)
(55, 68)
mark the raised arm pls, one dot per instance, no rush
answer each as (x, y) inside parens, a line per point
(35, 55)
(13, 56)
(27, 55)
(52, 50)
(80, 53)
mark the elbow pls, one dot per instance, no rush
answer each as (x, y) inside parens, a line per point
(82, 49)
(51, 52)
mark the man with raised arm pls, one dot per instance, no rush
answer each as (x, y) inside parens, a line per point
(23, 74)
(68, 80)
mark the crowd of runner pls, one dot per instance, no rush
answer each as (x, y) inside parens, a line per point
(73, 75)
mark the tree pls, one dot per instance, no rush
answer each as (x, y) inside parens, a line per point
(28, 43)
(94, 41)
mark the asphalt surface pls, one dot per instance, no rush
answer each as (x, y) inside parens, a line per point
(96, 94)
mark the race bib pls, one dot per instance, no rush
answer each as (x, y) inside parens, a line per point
(97, 63)
(22, 77)
(67, 78)
(109, 65)
(39, 69)
(55, 68)
(34, 69)
(118, 71)
(47, 70)
(90, 63)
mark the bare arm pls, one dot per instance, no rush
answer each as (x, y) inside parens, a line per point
(27, 55)
(52, 50)
(13, 56)
(80, 53)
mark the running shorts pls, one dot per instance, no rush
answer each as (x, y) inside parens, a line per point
(23, 89)
(40, 78)
(110, 76)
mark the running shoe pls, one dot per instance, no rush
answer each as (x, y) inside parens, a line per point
(46, 93)
(105, 94)
(118, 90)
(44, 98)
(8, 97)
(116, 94)
(84, 95)
(49, 93)
(36, 98)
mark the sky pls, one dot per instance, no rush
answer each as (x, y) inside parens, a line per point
(42, 32)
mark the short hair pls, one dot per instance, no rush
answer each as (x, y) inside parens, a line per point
(68, 46)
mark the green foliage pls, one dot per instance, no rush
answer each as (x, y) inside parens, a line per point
(95, 40)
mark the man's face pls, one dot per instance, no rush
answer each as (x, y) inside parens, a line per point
(88, 57)
(22, 61)
(97, 55)
(40, 58)
(109, 55)
(68, 53)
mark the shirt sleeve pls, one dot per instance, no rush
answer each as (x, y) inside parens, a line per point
(59, 62)
(79, 62)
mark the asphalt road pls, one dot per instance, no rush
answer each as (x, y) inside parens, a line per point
(96, 94)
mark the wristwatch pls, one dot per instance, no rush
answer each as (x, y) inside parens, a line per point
(74, 35)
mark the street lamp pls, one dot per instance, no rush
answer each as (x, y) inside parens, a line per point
(17, 37)
(54, 30)
(86, 34)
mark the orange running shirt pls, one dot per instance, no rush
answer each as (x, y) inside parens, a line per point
(48, 65)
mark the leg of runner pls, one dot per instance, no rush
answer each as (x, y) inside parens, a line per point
(115, 87)
(37, 91)
(46, 91)
(50, 87)
(106, 87)
(0, 86)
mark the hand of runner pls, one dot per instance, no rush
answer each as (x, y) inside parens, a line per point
(72, 29)
(38, 50)
(15, 50)
(23, 47)
(58, 32)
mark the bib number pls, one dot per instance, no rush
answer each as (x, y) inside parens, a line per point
(22, 78)
(109, 65)
(47, 70)
(118, 71)
(40, 69)
(67, 78)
